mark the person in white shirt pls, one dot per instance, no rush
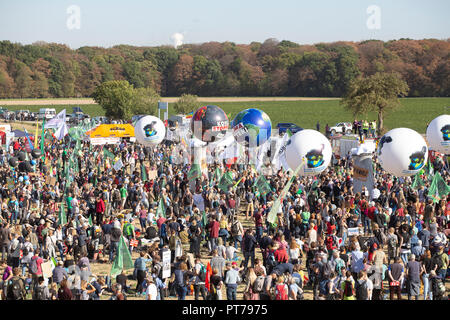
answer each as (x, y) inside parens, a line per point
(152, 291)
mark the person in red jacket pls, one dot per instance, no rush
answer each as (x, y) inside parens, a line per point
(281, 255)
(100, 209)
(213, 227)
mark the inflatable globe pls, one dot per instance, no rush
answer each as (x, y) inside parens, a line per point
(13, 162)
(252, 127)
(209, 124)
(313, 147)
(438, 134)
(36, 153)
(402, 152)
(149, 131)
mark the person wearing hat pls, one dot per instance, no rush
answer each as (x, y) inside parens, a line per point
(232, 280)
(151, 292)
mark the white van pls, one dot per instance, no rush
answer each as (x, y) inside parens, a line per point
(47, 113)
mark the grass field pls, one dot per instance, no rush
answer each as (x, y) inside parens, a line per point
(414, 113)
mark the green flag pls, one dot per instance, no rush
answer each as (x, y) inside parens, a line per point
(417, 182)
(123, 260)
(217, 174)
(299, 191)
(143, 173)
(108, 154)
(204, 219)
(226, 181)
(42, 139)
(195, 172)
(438, 188)
(272, 216)
(90, 221)
(62, 218)
(262, 185)
(161, 210)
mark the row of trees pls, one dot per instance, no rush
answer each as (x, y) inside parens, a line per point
(271, 68)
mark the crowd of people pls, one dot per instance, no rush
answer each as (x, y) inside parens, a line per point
(222, 245)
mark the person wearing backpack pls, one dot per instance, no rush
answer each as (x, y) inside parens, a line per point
(440, 263)
(199, 284)
(348, 287)
(40, 290)
(361, 286)
(15, 287)
(281, 289)
(35, 266)
(437, 286)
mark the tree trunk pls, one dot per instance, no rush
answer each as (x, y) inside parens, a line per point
(380, 122)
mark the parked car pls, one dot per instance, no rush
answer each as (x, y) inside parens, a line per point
(76, 118)
(284, 126)
(100, 120)
(342, 128)
(136, 117)
(47, 113)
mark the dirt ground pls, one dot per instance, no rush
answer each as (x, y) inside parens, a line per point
(33, 102)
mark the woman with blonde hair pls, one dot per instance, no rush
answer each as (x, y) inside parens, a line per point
(250, 279)
(294, 252)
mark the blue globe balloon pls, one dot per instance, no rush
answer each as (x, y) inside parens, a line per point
(20, 178)
(33, 162)
(25, 178)
(252, 127)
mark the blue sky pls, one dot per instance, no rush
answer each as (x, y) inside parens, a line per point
(150, 23)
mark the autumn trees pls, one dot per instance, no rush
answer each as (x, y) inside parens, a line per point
(270, 68)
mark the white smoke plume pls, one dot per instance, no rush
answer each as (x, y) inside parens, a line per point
(177, 39)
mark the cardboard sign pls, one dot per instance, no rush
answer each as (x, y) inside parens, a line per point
(152, 174)
(165, 263)
(50, 180)
(47, 269)
(353, 231)
(360, 173)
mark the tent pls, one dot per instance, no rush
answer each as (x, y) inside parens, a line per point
(19, 134)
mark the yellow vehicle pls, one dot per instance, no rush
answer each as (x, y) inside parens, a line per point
(112, 130)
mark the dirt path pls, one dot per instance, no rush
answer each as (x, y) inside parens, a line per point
(39, 102)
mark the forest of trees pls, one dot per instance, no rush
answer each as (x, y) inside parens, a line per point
(271, 68)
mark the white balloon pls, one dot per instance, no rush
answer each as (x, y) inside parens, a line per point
(149, 131)
(438, 134)
(402, 152)
(312, 146)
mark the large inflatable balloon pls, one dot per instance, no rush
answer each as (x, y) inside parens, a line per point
(402, 152)
(149, 131)
(36, 153)
(21, 155)
(313, 147)
(13, 162)
(251, 127)
(209, 124)
(438, 134)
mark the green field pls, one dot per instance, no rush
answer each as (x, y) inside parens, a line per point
(414, 113)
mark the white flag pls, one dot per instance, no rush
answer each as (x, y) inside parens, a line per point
(118, 165)
(56, 121)
(61, 132)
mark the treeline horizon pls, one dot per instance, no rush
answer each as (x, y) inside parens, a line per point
(270, 68)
